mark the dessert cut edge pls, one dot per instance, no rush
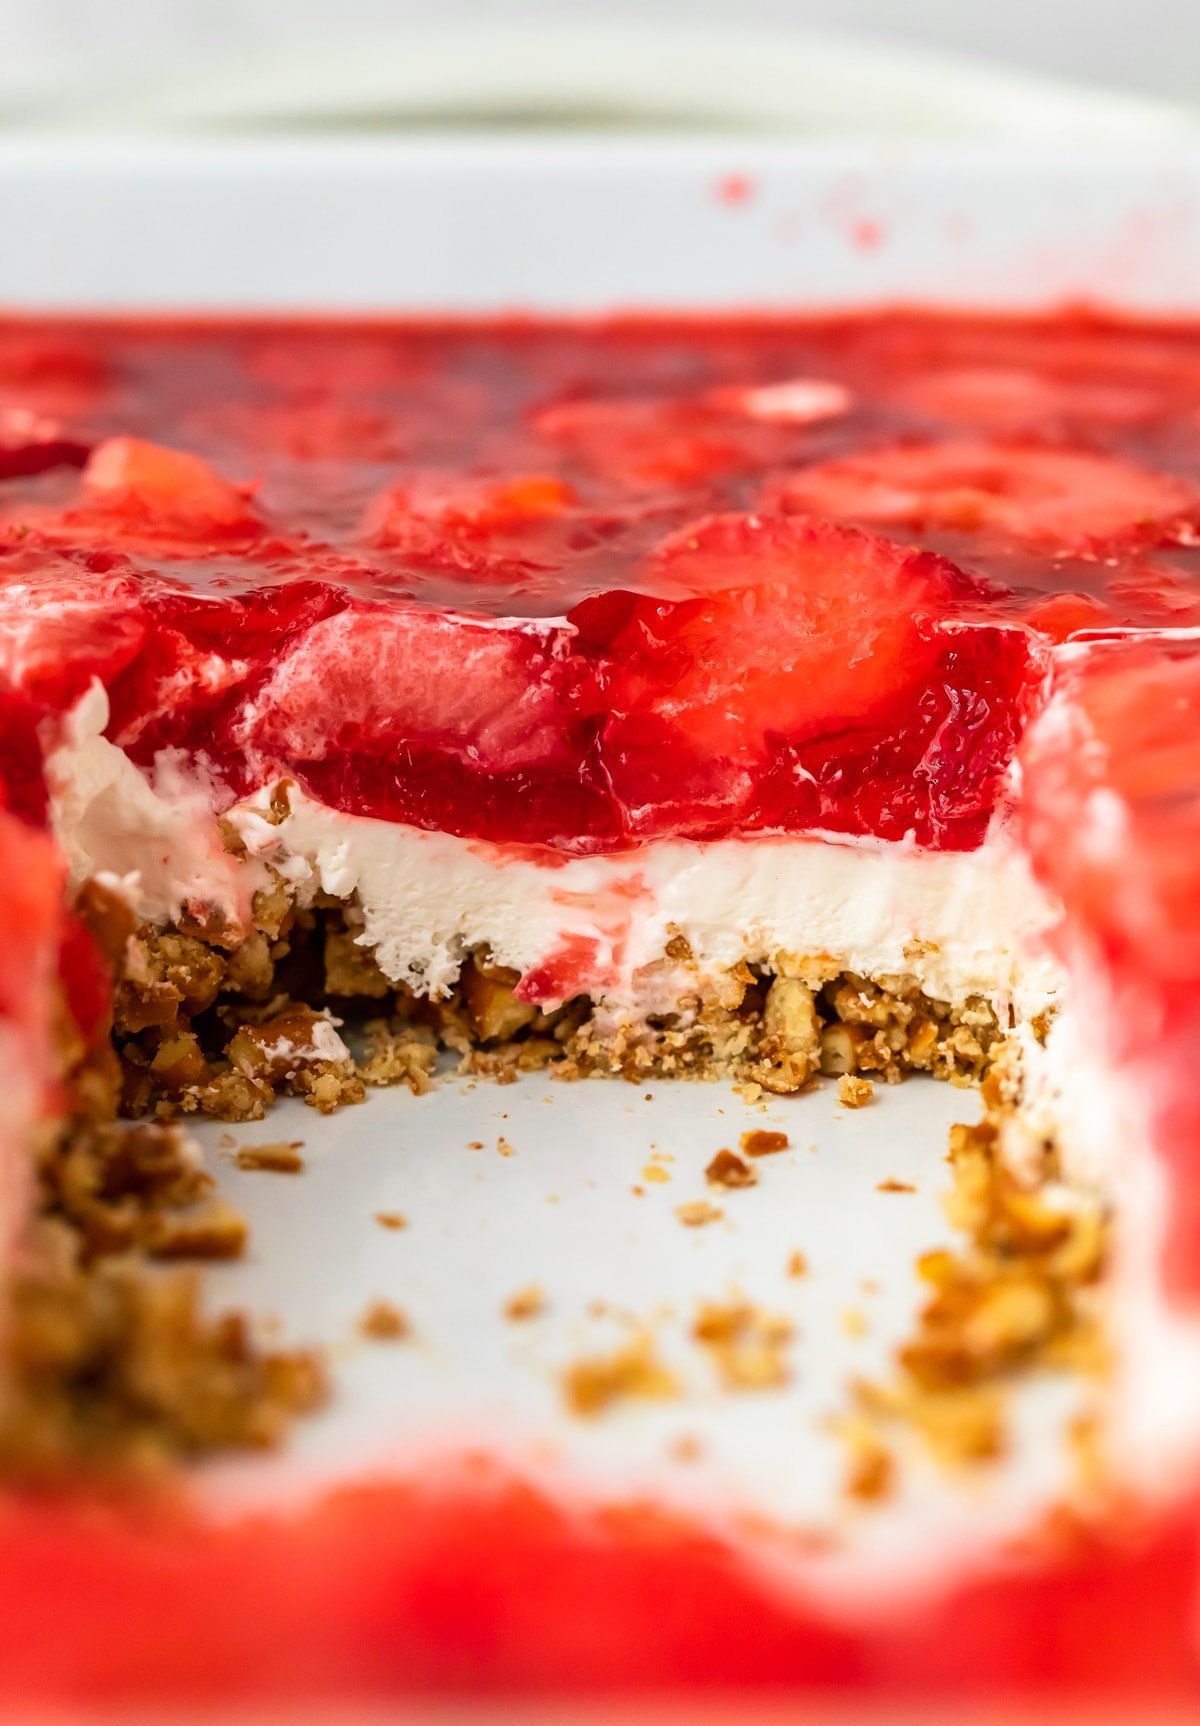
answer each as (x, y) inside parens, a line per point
(770, 700)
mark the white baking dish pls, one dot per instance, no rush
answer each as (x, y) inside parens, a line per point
(574, 224)
(579, 226)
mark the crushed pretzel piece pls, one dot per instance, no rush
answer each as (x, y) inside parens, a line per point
(854, 1092)
(763, 1143)
(728, 1170)
(697, 1212)
(528, 1302)
(746, 1344)
(280, 1159)
(383, 1322)
(593, 1384)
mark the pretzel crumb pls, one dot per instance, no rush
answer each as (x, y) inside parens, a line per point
(528, 1302)
(280, 1159)
(215, 1232)
(593, 1384)
(383, 1322)
(727, 1169)
(697, 1212)
(763, 1143)
(871, 1473)
(746, 1344)
(854, 1092)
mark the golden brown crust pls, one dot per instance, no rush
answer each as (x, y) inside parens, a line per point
(115, 1368)
(1018, 1297)
(196, 1021)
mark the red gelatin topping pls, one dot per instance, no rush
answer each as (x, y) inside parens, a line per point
(1112, 819)
(575, 585)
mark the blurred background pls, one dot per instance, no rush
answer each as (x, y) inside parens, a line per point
(1118, 67)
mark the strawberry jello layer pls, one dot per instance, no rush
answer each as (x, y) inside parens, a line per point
(1112, 822)
(1111, 819)
(803, 676)
(582, 586)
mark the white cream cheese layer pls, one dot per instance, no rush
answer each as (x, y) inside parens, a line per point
(160, 832)
(961, 923)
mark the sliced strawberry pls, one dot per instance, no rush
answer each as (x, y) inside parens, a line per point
(1013, 399)
(1112, 820)
(1159, 591)
(64, 620)
(51, 372)
(526, 545)
(1114, 798)
(1040, 495)
(1061, 615)
(798, 630)
(201, 655)
(165, 490)
(317, 430)
(31, 443)
(370, 674)
(437, 719)
(482, 526)
(652, 441)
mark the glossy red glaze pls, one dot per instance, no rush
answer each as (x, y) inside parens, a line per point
(447, 574)
(1111, 814)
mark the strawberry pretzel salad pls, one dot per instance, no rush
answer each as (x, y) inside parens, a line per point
(784, 702)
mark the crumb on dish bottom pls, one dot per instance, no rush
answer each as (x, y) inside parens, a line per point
(1019, 1293)
(112, 1366)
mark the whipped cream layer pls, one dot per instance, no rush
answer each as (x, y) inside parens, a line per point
(960, 923)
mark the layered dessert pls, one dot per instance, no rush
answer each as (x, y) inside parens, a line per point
(763, 699)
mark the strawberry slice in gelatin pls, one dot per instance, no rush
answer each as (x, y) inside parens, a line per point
(818, 676)
(64, 619)
(31, 443)
(1034, 494)
(656, 442)
(437, 719)
(149, 488)
(482, 527)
